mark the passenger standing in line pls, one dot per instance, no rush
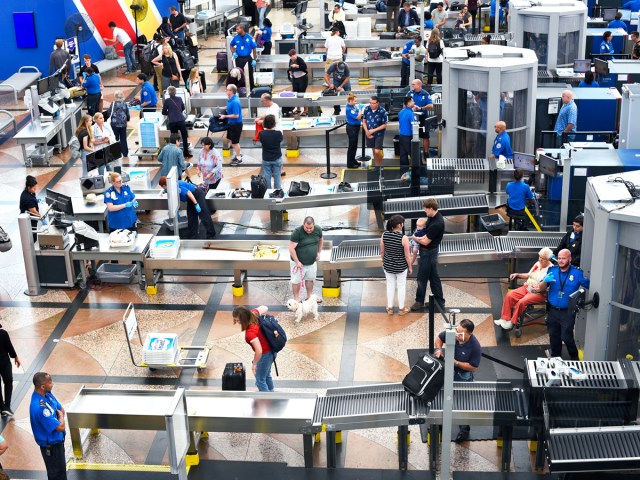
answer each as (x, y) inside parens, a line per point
(179, 24)
(174, 109)
(7, 352)
(305, 245)
(335, 48)
(393, 10)
(170, 67)
(270, 139)
(234, 129)
(298, 75)
(210, 164)
(119, 118)
(48, 426)
(263, 356)
(374, 122)
(396, 262)
(435, 47)
(405, 123)
(103, 136)
(354, 120)
(172, 155)
(85, 138)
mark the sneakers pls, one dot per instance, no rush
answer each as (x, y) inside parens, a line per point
(417, 307)
(236, 161)
(7, 412)
(505, 324)
(463, 436)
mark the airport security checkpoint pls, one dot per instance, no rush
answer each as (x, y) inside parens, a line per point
(345, 221)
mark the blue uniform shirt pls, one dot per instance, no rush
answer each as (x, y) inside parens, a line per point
(126, 217)
(266, 34)
(517, 193)
(606, 47)
(148, 94)
(43, 412)
(244, 44)
(352, 113)
(618, 24)
(233, 108)
(375, 119)
(429, 24)
(185, 187)
(568, 114)
(562, 284)
(421, 98)
(405, 120)
(502, 146)
(633, 5)
(92, 84)
(593, 84)
(407, 48)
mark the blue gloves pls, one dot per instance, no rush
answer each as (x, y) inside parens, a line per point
(128, 204)
(253, 64)
(135, 204)
(235, 55)
(198, 209)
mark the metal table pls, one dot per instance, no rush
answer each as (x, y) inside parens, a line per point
(96, 212)
(136, 253)
(39, 134)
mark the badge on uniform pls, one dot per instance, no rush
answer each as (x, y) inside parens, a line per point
(498, 145)
(108, 194)
(46, 412)
(126, 193)
(571, 278)
(560, 294)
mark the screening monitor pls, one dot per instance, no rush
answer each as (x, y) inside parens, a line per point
(609, 14)
(103, 156)
(601, 66)
(548, 166)
(524, 161)
(43, 86)
(59, 202)
(581, 66)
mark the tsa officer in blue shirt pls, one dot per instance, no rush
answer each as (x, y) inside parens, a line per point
(606, 46)
(617, 23)
(562, 280)
(422, 102)
(354, 120)
(196, 207)
(48, 426)
(243, 47)
(502, 142)
(406, 63)
(567, 120)
(406, 118)
(517, 194)
(121, 205)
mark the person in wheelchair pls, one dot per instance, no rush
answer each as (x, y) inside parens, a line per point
(518, 193)
(517, 301)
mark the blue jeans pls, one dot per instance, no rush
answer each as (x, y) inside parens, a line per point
(264, 382)
(272, 169)
(261, 11)
(181, 34)
(129, 57)
(463, 376)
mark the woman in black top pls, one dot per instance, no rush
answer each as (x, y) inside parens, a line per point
(7, 352)
(28, 200)
(170, 67)
(396, 262)
(174, 109)
(298, 74)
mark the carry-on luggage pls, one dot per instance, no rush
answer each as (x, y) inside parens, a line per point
(203, 81)
(258, 186)
(234, 377)
(222, 65)
(258, 91)
(425, 379)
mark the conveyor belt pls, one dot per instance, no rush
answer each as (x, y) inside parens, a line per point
(599, 375)
(575, 414)
(471, 39)
(447, 205)
(458, 164)
(354, 249)
(467, 243)
(375, 186)
(526, 242)
(368, 406)
(594, 449)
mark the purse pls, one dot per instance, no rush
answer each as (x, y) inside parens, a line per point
(258, 186)
(299, 189)
(107, 113)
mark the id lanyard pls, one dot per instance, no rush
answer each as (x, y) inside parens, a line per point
(562, 284)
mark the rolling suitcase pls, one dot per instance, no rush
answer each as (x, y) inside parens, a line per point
(425, 379)
(221, 62)
(234, 377)
(203, 81)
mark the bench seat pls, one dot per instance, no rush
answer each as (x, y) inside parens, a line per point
(18, 82)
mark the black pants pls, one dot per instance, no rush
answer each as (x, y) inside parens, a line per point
(473, 20)
(121, 136)
(205, 216)
(428, 272)
(7, 379)
(434, 67)
(560, 327)
(241, 62)
(353, 132)
(181, 127)
(405, 149)
(404, 75)
(93, 101)
(54, 460)
(266, 48)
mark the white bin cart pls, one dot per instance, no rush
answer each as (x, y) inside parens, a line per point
(161, 350)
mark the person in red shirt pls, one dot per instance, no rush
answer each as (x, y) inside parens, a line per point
(263, 357)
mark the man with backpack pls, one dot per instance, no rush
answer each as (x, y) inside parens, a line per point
(266, 337)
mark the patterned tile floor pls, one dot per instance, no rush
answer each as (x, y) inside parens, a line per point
(77, 337)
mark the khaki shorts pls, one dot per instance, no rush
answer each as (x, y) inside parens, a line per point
(308, 273)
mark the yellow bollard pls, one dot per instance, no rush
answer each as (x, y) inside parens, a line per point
(238, 290)
(152, 289)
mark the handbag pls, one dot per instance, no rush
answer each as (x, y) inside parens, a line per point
(328, 92)
(258, 186)
(299, 189)
(107, 113)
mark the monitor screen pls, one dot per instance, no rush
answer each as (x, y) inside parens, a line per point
(524, 161)
(115, 152)
(548, 166)
(43, 86)
(59, 201)
(581, 66)
(601, 66)
(609, 14)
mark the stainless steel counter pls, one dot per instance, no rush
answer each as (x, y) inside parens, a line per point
(96, 212)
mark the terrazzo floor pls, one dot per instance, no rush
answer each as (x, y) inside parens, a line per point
(77, 336)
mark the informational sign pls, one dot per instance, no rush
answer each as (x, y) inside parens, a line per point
(71, 46)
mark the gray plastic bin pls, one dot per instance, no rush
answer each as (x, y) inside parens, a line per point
(116, 273)
(493, 222)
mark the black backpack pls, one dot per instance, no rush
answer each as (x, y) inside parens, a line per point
(258, 186)
(186, 60)
(149, 52)
(274, 333)
(434, 49)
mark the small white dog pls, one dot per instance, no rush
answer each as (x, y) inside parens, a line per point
(308, 306)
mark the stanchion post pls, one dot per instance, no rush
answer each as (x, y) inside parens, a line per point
(363, 157)
(432, 315)
(328, 174)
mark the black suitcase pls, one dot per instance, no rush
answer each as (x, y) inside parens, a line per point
(221, 62)
(258, 186)
(203, 81)
(387, 35)
(234, 377)
(425, 379)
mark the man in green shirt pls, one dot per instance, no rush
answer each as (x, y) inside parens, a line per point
(305, 246)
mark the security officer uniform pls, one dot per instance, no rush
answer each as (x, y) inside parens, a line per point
(405, 121)
(406, 64)
(560, 321)
(245, 44)
(353, 132)
(502, 146)
(125, 218)
(43, 412)
(421, 100)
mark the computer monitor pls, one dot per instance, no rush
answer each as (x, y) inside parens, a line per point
(300, 8)
(103, 156)
(601, 66)
(581, 66)
(43, 85)
(524, 161)
(59, 201)
(548, 166)
(609, 14)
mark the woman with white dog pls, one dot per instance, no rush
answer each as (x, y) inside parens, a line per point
(396, 262)
(263, 357)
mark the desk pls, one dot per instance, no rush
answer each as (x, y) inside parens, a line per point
(136, 253)
(96, 212)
